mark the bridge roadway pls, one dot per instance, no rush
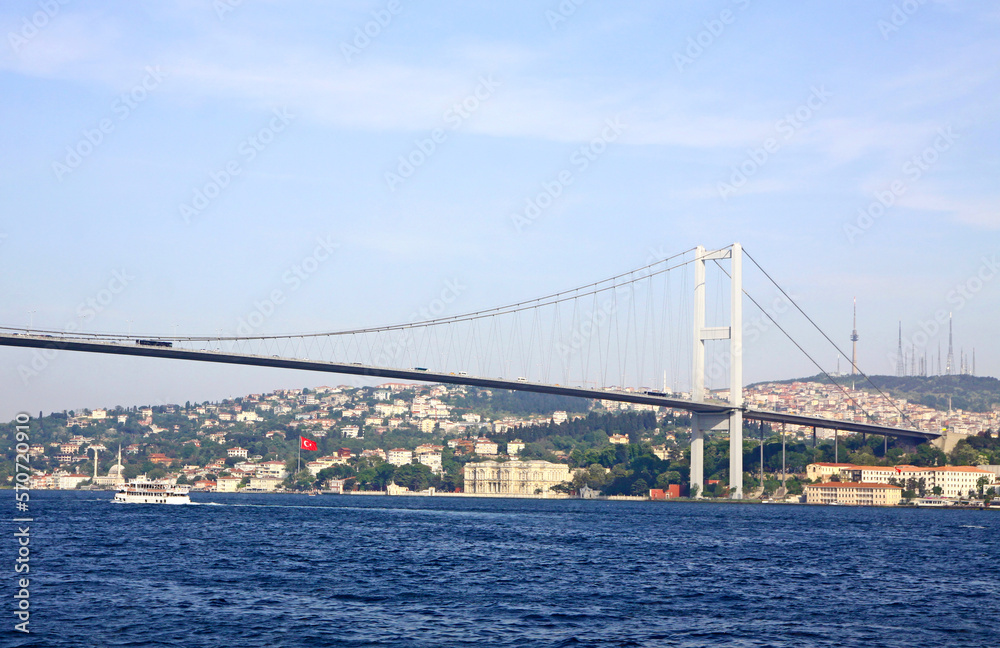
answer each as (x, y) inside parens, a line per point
(645, 398)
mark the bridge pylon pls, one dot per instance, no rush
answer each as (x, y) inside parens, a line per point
(733, 420)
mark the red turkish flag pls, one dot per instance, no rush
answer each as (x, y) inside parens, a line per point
(307, 444)
(898, 470)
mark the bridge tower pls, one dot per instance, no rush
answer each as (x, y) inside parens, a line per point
(733, 420)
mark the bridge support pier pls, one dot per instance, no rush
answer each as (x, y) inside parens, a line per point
(734, 333)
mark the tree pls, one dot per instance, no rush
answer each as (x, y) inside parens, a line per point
(694, 490)
(964, 454)
(640, 487)
(666, 479)
(981, 484)
(416, 477)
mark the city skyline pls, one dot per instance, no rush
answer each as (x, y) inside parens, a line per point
(170, 167)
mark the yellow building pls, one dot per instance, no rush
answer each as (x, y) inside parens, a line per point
(514, 477)
(853, 494)
(227, 484)
(263, 484)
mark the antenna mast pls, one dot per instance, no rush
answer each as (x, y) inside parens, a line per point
(854, 340)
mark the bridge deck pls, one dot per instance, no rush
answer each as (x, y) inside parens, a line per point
(645, 398)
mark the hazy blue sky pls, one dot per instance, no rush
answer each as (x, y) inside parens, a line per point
(175, 159)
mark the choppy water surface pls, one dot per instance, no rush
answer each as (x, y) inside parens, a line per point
(288, 570)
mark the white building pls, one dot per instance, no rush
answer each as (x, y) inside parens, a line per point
(271, 469)
(432, 461)
(514, 477)
(69, 482)
(954, 481)
(399, 457)
(486, 447)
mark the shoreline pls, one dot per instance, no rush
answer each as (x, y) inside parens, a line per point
(561, 497)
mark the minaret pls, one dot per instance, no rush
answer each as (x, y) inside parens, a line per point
(95, 465)
(900, 367)
(854, 340)
(951, 350)
(973, 361)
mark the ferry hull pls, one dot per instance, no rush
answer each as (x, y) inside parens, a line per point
(151, 499)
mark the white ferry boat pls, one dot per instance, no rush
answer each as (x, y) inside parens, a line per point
(140, 491)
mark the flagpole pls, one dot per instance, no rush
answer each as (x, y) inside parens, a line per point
(300, 458)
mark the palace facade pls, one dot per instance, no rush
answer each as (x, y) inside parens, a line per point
(514, 477)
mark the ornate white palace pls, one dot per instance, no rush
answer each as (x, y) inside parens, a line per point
(514, 477)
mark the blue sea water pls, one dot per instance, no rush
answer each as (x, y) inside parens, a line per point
(291, 570)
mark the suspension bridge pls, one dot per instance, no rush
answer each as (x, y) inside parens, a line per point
(631, 338)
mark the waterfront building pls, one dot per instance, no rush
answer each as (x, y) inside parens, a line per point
(853, 494)
(227, 484)
(514, 477)
(263, 484)
(954, 481)
(69, 482)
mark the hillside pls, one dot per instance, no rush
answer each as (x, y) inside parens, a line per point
(970, 393)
